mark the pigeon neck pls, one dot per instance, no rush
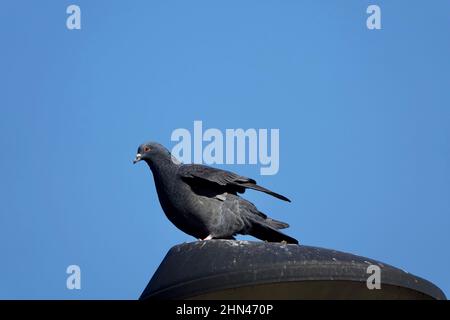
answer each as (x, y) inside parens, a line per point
(161, 166)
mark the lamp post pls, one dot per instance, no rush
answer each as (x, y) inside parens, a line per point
(227, 269)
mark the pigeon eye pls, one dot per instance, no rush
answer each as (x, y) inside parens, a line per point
(147, 149)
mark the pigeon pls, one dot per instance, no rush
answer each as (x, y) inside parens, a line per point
(204, 202)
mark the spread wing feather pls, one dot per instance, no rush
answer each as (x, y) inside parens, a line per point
(225, 180)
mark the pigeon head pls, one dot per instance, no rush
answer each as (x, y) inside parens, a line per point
(151, 152)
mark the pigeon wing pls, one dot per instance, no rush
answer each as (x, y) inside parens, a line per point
(222, 179)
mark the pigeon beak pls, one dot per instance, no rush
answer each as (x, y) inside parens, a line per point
(137, 159)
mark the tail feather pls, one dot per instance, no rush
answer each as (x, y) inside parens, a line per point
(262, 189)
(266, 232)
(276, 224)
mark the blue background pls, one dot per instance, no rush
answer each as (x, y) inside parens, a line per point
(363, 118)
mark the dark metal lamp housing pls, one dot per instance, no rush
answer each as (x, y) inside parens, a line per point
(227, 269)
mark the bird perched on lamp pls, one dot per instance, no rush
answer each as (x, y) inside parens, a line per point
(204, 202)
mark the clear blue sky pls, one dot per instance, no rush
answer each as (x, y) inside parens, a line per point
(363, 117)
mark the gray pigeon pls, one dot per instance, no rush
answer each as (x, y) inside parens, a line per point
(203, 201)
